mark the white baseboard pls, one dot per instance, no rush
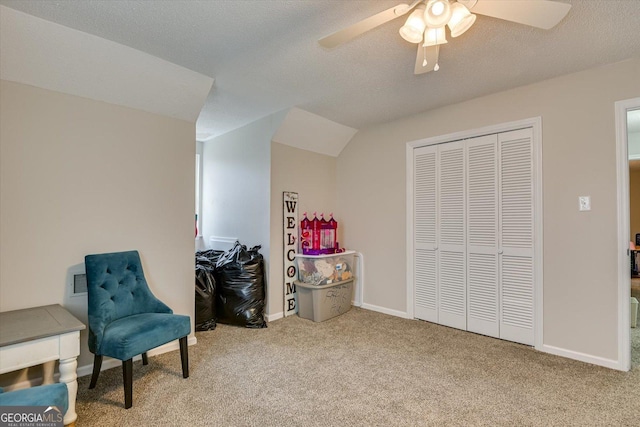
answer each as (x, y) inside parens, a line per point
(575, 355)
(356, 303)
(582, 357)
(108, 362)
(385, 310)
(274, 316)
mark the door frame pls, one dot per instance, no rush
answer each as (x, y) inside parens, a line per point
(535, 123)
(624, 281)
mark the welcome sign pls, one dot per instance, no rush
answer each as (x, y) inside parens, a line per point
(290, 235)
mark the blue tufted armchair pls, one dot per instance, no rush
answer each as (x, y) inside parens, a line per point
(125, 318)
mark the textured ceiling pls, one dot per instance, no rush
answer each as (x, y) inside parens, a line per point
(264, 54)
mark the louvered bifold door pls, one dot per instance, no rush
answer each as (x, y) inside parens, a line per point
(482, 236)
(424, 234)
(451, 248)
(516, 198)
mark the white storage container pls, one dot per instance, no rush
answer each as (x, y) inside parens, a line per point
(322, 302)
(325, 269)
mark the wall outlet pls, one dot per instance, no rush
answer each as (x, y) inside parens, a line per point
(584, 203)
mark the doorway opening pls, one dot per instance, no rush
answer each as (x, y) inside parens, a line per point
(628, 155)
(633, 153)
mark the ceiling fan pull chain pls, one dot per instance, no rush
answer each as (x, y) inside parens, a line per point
(437, 67)
(424, 53)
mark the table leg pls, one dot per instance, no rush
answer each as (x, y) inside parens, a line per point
(21, 376)
(69, 376)
(47, 372)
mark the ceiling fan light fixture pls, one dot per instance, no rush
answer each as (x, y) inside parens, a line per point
(412, 30)
(434, 37)
(461, 19)
(437, 13)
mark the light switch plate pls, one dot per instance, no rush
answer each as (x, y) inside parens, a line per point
(584, 203)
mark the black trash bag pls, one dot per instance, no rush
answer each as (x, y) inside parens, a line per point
(205, 299)
(240, 292)
(211, 254)
(205, 290)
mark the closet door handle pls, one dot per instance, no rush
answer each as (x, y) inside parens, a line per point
(500, 252)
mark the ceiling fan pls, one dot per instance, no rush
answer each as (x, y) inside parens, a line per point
(426, 23)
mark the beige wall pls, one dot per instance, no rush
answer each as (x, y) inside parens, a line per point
(80, 176)
(313, 177)
(237, 187)
(634, 203)
(579, 158)
(235, 191)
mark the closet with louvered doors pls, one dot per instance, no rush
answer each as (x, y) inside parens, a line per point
(473, 235)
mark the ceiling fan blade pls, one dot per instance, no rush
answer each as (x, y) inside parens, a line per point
(544, 14)
(432, 59)
(365, 25)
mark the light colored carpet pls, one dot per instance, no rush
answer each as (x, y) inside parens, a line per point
(363, 369)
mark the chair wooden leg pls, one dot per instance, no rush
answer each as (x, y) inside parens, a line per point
(127, 376)
(97, 364)
(184, 357)
(145, 359)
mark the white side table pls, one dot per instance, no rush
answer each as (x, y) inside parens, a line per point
(38, 335)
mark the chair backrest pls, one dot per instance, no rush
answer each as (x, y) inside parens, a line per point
(116, 288)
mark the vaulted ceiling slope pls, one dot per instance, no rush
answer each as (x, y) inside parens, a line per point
(265, 57)
(44, 54)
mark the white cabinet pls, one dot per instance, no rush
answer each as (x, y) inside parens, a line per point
(473, 221)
